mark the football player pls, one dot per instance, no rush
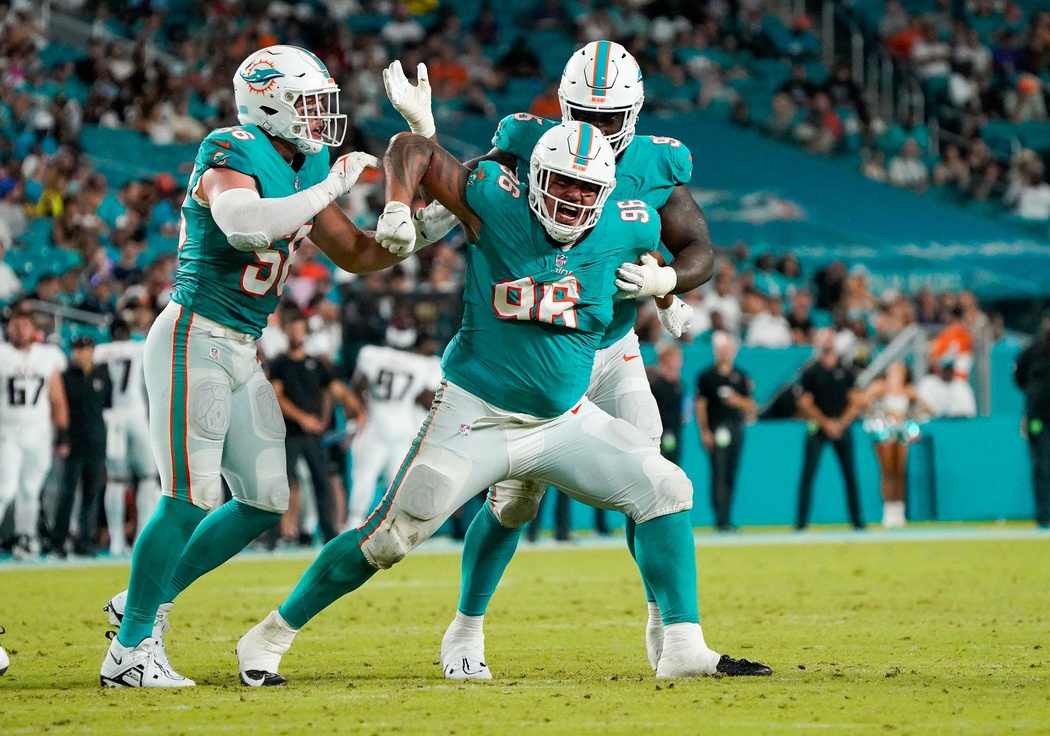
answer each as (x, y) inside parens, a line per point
(537, 301)
(34, 424)
(128, 451)
(601, 85)
(398, 382)
(255, 192)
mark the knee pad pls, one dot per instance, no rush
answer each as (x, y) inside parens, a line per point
(672, 491)
(270, 422)
(421, 503)
(637, 406)
(210, 410)
(515, 503)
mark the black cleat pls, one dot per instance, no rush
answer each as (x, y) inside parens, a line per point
(741, 667)
(261, 678)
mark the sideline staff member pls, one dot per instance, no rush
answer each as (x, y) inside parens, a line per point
(830, 403)
(1032, 374)
(723, 406)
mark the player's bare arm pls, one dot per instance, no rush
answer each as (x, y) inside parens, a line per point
(347, 246)
(412, 161)
(684, 231)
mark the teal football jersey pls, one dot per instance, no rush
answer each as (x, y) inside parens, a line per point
(236, 288)
(533, 313)
(649, 169)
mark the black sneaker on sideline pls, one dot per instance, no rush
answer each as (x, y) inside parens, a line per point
(741, 667)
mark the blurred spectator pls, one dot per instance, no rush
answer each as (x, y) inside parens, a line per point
(724, 300)
(955, 342)
(831, 285)
(844, 91)
(828, 401)
(800, 42)
(894, 20)
(10, 284)
(945, 393)
(857, 297)
(551, 16)
(1032, 375)
(486, 27)
(665, 380)
(874, 166)
(907, 170)
(822, 131)
(783, 116)
(402, 30)
(799, 319)
(930, 57)
(769, 328)
(448, 76)
(724, 404)
(520, 61)
(1026, 103)
(951, 170)
(1030, 196)
(798, 87)
(89, 392)
(546, 104)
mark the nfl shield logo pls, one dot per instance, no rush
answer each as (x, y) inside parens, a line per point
(560, 261)
(214, 352)
(464, 429)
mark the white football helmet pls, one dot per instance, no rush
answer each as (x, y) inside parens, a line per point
(577, 151)
(603, 77)
(286, 90)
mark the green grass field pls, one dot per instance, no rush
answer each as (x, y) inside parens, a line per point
(899, 637)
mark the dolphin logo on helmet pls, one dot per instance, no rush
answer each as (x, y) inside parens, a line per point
(288, 92)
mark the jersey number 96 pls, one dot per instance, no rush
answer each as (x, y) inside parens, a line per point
(554, 303)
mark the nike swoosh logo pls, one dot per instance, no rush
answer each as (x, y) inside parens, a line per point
(631, 357)
(468, 671)
(224, 144)
(572, 412)
(115, 658)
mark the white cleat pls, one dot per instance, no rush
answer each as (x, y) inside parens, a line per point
(138, 667)
(463, 654)
(654, 635)
(685, 654)
(259, 651)
(115, 608)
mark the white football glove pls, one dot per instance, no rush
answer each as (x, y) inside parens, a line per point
(412, 101)
(433, 222)
(648, 279)
(395, 231)
(345, 171)
(677, 318)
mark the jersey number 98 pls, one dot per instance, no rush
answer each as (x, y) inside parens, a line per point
(553, 303)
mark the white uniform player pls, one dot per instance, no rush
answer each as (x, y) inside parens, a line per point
(128, 451)
(32, 403)
(396, 384)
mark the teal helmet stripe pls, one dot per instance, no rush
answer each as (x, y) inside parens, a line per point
(601, 70)
(320, 63)
(583, 144)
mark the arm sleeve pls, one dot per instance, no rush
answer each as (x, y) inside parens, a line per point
(253, 223)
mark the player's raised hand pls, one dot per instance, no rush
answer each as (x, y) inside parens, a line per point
(411, 100)
(647, 278)
(346, 169)
(677, 318)
(395, 231)
(433, 222)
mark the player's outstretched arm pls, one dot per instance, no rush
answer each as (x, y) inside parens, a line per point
(412, 161)
(347, 246)
(684, 232)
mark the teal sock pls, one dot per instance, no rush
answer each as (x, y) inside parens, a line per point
(487, 549)
(630, 530)
(667, 559)
(157, 552)
(224, 533)
(339, 569)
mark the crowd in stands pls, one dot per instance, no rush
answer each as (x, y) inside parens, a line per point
(106, 248)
